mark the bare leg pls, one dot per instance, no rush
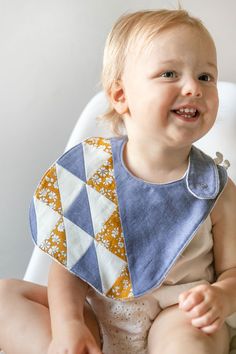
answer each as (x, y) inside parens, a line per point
(25, 320)
(173, 333)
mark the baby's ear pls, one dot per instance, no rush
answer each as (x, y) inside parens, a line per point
(118, 98)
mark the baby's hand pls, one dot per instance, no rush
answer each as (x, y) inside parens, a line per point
(206, 306)
(75, 339)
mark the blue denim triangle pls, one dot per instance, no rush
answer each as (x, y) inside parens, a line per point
(79, 212)
(87, 268)
(73, 161)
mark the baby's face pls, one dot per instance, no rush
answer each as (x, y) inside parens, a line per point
(178, 69)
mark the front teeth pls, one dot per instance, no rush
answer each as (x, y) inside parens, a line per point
(187, 110)
(192, 112)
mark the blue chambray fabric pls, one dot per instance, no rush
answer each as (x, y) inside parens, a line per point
(160, 220)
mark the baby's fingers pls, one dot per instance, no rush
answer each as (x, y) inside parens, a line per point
(183, 296)
(206, 320)
(193, 298)
(198, 310)
(213, 327)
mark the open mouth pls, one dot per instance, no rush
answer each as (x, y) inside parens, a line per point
(187, 114)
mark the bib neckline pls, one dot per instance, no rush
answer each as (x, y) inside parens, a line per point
(141, 180)
(201, 176)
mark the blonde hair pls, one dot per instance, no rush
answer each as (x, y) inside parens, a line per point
(130, 31)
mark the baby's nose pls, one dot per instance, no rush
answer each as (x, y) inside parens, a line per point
(192, 87)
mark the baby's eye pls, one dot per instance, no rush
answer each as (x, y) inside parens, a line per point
(205, 77)
(169, 74)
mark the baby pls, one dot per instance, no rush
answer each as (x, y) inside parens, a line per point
(141, 225)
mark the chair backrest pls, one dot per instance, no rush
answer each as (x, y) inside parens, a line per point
(221, 138)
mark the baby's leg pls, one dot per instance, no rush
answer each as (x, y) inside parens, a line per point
(173, 333)
(25, 320)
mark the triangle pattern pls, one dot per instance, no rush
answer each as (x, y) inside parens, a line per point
(47, 190)
(101, 208)
(122, 288)
(100, 143)
(78, 242)
(104, 182)
(69, 185)
(92, 159)
(79, 212)
(87, 268)
(111, 236)
(55, 245)
(110, 266)
(49, 217)
(73, 161)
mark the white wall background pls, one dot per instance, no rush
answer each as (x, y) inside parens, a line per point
(50, 63)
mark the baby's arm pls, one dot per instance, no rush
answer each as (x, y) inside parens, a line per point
(208, 305)
(66, 296)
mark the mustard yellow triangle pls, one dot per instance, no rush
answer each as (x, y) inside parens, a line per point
(100, 142)
(55, 245)
(48, 191)
(111, 236)
(103, 181)
(122, 287)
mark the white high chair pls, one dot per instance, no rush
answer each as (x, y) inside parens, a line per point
(221, 138)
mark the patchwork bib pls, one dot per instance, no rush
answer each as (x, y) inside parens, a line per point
(118, 233)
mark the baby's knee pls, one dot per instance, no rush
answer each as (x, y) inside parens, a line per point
(191, 340)
(173, 333)
(183, 341)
